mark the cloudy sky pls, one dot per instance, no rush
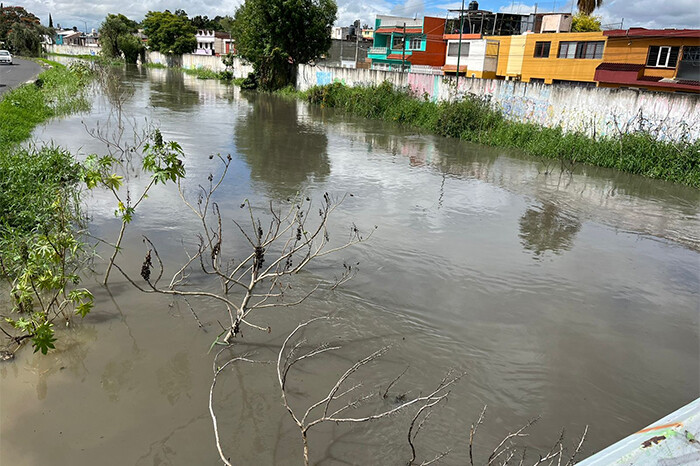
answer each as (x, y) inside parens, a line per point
(641, 13)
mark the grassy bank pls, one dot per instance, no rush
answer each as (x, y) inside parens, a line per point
(40, 249)
(93, 58)
(57, 91)
(199, 73)
(474, 120)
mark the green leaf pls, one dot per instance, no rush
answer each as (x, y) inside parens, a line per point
(43, 338)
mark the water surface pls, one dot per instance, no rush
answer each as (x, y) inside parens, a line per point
(573, 296)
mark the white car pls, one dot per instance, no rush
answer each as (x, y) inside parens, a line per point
(5, 57)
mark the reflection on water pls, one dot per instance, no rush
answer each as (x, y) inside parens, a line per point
(282, 151)
(168, 90)
(604, 332)
(174, 378)
(547, 229)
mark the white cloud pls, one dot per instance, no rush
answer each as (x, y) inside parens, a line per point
(652, 14)
(518, 8)
(642, 13)
(409, 8)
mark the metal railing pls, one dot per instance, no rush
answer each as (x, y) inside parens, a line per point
(377, 50)
(426, 69)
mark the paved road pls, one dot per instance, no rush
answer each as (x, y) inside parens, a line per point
(20, 72)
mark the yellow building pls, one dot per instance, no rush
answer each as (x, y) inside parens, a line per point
(652, 59)
(569, 57)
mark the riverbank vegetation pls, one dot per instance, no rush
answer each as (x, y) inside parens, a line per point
(41, 252)
(199, 73)
(57, 91)
(474, 120)
(267, 36)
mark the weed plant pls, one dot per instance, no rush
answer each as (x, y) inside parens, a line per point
(472, 119)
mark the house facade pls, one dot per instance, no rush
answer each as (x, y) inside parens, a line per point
(69, 37)
(567, 57)
(213, 43)
(476, 57)
(652, 59)
(402, 44)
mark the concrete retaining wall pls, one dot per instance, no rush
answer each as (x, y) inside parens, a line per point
(72, 49)
(192, 61)
(594, 111)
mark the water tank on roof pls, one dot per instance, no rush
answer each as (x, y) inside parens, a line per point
(473, 6)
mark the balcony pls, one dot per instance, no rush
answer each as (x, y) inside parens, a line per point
(377, 51)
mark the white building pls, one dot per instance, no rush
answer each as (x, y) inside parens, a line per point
(478, 58)
(340, 33)
(213, 43)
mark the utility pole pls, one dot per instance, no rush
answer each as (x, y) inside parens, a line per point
(403, 51)
(459, 47)
(341, 47)
(357, 40)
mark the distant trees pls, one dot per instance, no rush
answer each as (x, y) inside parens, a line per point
(169, 33)
(117, 38)
(21, 30)
(277, 35)
(203, 22)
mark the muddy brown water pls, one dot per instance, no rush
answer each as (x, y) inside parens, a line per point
(574, 297)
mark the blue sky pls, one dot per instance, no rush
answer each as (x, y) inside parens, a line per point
(641, 13)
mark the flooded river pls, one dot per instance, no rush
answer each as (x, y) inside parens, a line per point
(570, 296)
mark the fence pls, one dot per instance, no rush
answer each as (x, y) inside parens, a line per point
(593, 111)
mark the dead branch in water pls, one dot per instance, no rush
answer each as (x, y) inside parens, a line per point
(328, 409)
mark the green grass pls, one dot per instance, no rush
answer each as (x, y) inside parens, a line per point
(199, 73)
(29, 181)
(474, 120)
(58, 91)
(156, 66)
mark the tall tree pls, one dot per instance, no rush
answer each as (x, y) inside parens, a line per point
(9, 15)
(25, 38)
(50, 21)
(277, 35)
(586, 7)
(169, 33)
(115, 31)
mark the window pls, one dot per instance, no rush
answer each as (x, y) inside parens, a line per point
(689, 66)
(397, 43)
(591, 49)
(567, 50)
(542, 49)
(453, 49)
(415, 43)
(663, 56)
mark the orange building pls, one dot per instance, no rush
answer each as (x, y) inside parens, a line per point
(567, 57)
(652, 59)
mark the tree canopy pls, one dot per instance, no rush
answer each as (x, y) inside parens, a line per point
(116, 37)
(10, 15)
(586, 7)
(277, 35)
(169, 33)
(585, 23)
(21, 30)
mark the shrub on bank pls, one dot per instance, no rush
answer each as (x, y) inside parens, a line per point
(473, 119)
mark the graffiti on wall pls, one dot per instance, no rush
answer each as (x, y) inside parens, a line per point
(597, 112)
